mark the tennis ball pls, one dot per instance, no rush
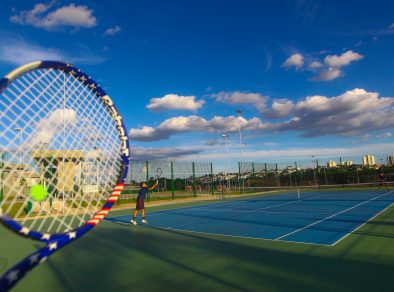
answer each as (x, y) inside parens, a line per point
(38, 193)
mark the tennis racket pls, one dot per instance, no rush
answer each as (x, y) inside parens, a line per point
(64, 157)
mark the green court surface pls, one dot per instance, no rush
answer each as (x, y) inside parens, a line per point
(120, 257)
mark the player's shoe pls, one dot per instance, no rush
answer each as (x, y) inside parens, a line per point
(133, 222)
(144, 221)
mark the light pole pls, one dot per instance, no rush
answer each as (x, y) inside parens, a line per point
(225, 136)
(239, 112)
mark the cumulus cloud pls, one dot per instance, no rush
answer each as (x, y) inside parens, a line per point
(237, 97)
(141, 153)
(76, 16)
(385, 135)
(14, 50)
(183, 124)
(351, 113)
(48, 127)
(112, 31)
(354, 112)
(175, 102)
(280, 108)
(295, 60)
(345, 59)
(315, 65)
(329, 69)
(328, 74)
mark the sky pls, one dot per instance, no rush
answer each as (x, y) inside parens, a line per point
(311, 78)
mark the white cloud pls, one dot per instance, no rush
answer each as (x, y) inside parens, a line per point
(47, 128)
(355, 112)
(391, 26)
(76, 16)
(19, 52)
(280, 108)
(328, 74)
(237, 97)
(295, 60)
(175, 102)
(183, 124)
(385, 135)
(345, 59)
(315, 65)
(14, 50)
(329, 70)
(112, 31)
(141, 153)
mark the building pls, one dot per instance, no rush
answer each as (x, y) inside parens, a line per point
(368, 160)
(347, 163)
(331, 163)
(390, 159)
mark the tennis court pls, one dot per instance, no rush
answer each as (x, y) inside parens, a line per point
(321, 217)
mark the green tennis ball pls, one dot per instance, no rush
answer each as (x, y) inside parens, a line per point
(38, 193)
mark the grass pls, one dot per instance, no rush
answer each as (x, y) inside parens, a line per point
(116, 257)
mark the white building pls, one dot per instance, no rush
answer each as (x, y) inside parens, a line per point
(331, 163)
(347, 163)
(390, 159)
(369, 160)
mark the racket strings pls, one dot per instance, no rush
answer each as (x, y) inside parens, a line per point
(83, 124)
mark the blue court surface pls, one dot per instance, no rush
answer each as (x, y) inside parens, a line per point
(323, 217)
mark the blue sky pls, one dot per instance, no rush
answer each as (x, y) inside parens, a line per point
(310, 77)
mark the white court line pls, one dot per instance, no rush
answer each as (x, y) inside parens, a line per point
(288, 203)
(235, 236)
(262, 211)
(358, 227)
(343, 211)
(233, 202)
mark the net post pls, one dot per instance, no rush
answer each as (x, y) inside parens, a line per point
(212, 182)
(172, 180)
(194, 180)
(147, 176)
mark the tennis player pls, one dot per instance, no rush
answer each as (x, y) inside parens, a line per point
(382, 181)
(141, 201)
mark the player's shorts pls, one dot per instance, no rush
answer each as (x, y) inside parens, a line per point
(140, 204)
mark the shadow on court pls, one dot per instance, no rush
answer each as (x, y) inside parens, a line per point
(124, 258)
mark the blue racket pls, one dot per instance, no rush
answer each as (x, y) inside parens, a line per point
(64, 157)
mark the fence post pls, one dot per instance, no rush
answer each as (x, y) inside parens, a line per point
(172, 180)
(254, 178)
(212, 180)
(241, 179)
(194, 180)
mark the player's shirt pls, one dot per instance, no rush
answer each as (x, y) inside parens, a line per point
(382, 178)
(142, 193)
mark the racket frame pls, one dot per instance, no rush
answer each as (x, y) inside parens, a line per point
(54, 242)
